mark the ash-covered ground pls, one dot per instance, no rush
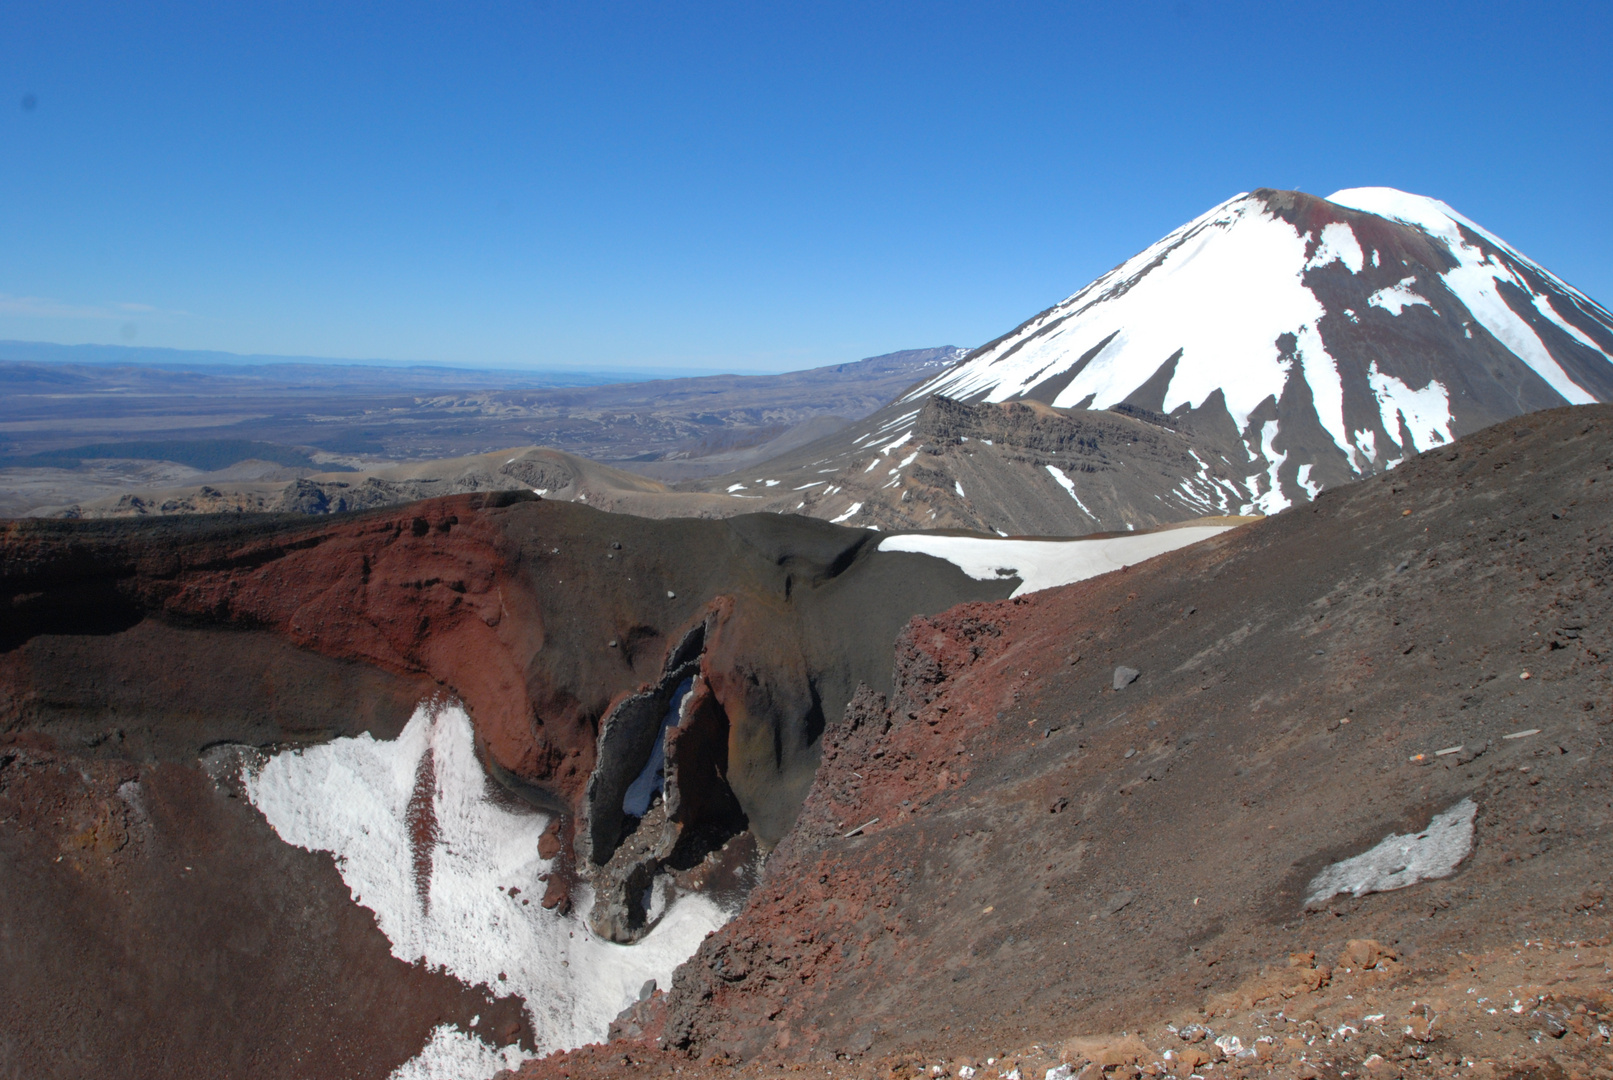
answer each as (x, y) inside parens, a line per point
(1098, 810)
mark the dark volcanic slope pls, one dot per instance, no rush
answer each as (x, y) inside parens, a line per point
(1020, 468)
(1047, 855)
(146, 912)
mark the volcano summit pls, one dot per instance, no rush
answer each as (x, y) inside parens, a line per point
(1277, 345)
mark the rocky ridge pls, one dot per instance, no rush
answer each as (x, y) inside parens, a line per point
(1019, 468)
(1017, 847)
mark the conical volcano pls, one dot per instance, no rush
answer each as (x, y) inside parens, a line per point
(1330, 338)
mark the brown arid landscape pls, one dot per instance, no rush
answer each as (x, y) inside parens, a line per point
(1134, 695)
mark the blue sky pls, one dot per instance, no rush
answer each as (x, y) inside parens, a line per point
(741, 187)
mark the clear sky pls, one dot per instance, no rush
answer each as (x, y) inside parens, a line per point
(752, 186)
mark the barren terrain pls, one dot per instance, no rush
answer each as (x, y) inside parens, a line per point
(1018, 847)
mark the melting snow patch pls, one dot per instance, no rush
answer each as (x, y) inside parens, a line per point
(1043, 564)
(1068, 485)
(1397, 297)
(1272, 499)
(897, 444)
(848, 515)
(1366, 444)
(422, 841)
(1426, 412)
(453, 1055)
(1312, 488)
(1338, 245)
(736, 487)
(959, 486)
(1402, 860)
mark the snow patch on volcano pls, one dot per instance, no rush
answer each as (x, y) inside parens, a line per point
(1068, 485)
(1402, 860)
(451, 1054)
(454, 894)
(1426, 412)
(1045, 564)
(1272, 500)
(1397, 297)
(1338, 244)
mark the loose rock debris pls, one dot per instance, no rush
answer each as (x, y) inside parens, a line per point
(1536, 1009)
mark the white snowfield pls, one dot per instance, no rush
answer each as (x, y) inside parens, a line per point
(1402, 860)
(1044, 564)
(1206, 274)
(1476, 280)
(352, 797)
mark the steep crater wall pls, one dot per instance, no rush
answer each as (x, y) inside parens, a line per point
(581, 644)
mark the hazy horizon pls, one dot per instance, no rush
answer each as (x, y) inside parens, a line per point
(729, 188)
(17, 350)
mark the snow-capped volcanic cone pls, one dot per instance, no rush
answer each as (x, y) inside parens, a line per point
(1321, 339)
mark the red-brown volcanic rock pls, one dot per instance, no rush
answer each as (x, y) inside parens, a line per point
(426, 591)
(537, 615)
(147, 914)
(1043, 855)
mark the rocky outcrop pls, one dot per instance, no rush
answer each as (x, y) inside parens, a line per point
(1009, 850)
(139, 659)
(1020, 468)
(1024, 468)
(542, 617)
